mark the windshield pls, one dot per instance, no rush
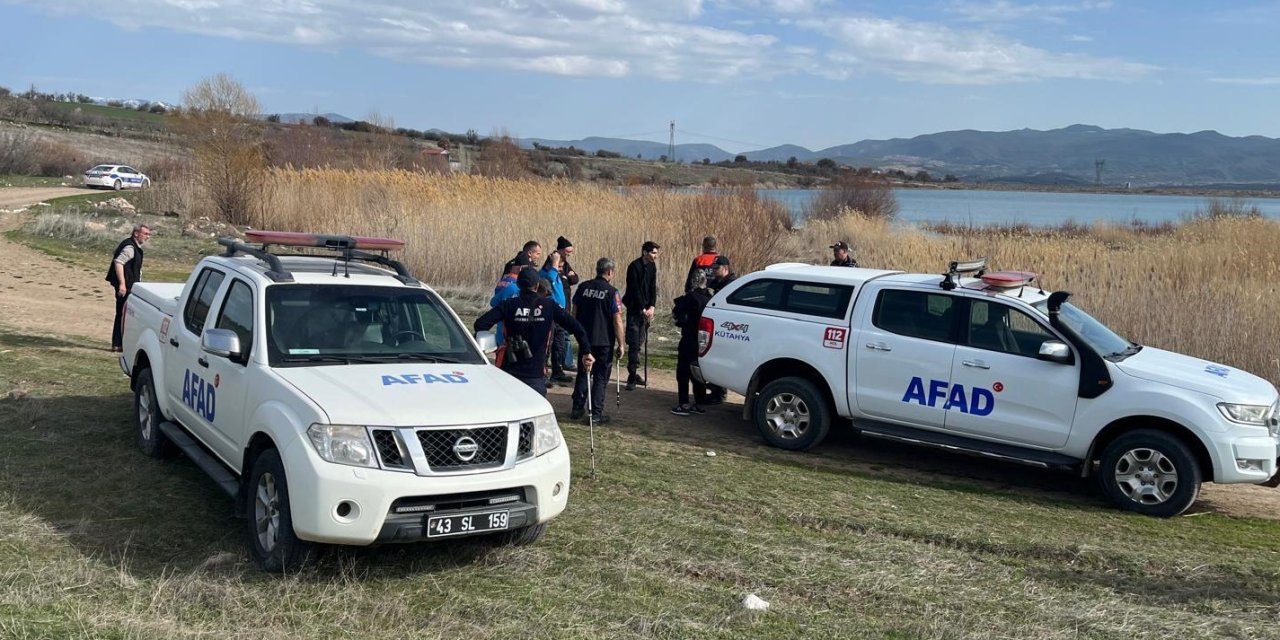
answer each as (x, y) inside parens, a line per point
(1097, 335)
(311, 325)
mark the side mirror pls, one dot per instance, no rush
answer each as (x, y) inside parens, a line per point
(223, 343)
(488, 342)
(1055, 351)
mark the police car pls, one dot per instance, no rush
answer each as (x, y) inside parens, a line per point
(989, 364)
(116, 176)
(338, 400)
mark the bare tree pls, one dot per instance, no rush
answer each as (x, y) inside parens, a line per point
(501, 157)
(219, 121)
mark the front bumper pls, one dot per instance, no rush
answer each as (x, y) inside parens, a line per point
(317, 488)
(1246, 459)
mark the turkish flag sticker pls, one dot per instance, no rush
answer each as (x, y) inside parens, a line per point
(997, 387)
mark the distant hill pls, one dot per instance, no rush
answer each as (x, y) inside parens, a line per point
(297, 118)
(1057, 156)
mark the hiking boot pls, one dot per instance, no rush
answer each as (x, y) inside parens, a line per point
(681, 410)
(600, 419)
(576, 414)
(714, 399)
(561, 377)
(697, 409)
(635, 380)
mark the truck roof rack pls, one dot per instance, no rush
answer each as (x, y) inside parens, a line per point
(976, 266)
(348, 248)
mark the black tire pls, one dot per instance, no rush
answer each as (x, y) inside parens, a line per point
(147, 418)
(524, 535)
(273, 546)
(791, 413)
(145, 184)
(116, 185)
(1150, 472)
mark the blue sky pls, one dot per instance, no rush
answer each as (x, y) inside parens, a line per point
(742, 74)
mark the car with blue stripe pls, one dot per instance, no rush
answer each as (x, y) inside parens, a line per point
(116, 176)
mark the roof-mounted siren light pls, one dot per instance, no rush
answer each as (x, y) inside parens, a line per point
(343, 243)
(1008, 279)
(977, 266)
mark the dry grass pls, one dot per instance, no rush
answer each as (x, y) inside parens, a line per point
(461, 229)
(1207, 288)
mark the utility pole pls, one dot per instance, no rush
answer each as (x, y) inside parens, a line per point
(671, 143)
(1097, 170)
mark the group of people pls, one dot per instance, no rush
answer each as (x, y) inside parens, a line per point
(536, 309)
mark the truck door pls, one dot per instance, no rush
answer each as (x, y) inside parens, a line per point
(230, 375)
(903, 356)
(1000, 389)
(190, 388)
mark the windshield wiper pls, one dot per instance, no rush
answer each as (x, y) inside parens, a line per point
(426, 357)
(335, 359)
(1126, 352)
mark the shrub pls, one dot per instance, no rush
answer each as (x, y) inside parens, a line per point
(1226, 208)
(851, 193)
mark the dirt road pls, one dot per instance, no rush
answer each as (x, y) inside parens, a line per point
(42, 295)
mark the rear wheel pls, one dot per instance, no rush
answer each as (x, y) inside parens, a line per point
(116, 185)
(146, 413)
(792, 413)
(269, 527)
(1150, 472)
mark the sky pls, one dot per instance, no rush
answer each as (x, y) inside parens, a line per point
(740, 74)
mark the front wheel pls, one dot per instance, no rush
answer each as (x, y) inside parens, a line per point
(272, 543)
(146, 413)
(1150, 472)
(792, 413)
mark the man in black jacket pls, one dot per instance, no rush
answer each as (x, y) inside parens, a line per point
(840, 255)
(599, 309)
(526, 322)
(641, 298)
(687, 313)
(125, 271)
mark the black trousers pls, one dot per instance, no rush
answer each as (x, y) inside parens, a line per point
(559, 340)
(599, 380)
(686, 355)
(637, 328)
(117, 340)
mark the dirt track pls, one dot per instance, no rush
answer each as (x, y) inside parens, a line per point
(19, 197)
(42, 295)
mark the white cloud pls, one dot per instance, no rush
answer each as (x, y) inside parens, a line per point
(1252, 82)
(932, 53)
(692, 40)
(1006, 11)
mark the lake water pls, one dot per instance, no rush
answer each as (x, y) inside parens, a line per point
(978, 207)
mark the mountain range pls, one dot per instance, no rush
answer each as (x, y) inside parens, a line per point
(1065, 155)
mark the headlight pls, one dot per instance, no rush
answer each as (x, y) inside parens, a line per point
(1250, 414)
(342, 444)
(546, 434)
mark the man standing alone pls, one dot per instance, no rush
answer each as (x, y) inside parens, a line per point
(124, 271)
(640, 299)
(599, 310)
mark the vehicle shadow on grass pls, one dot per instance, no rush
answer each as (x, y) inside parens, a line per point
(71, 461)
(646, 412)
(1179, 589)
(17, 340)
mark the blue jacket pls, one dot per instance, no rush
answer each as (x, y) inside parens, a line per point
(557, 286)
(506, 288)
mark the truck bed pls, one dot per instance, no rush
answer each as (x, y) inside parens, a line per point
(161, 295)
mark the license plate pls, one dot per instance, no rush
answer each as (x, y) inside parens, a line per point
(460, 525)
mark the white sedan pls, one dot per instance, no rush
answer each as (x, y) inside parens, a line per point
(116, 176)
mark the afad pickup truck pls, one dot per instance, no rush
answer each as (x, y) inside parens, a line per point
(989, 365)
(338, 400)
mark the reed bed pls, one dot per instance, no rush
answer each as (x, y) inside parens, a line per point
(460, 230)
(1207, 287)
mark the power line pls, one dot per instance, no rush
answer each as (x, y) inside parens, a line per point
(703, 135)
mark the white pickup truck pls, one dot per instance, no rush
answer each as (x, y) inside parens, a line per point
(338, 400)
(989, 365)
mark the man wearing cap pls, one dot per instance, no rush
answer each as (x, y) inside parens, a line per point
(640, 299)
(840, 251)
(527, 320)
(721, 274)
(703, 263)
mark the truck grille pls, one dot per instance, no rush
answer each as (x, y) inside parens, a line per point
(389, 451)
(448, 449)
(525, 447)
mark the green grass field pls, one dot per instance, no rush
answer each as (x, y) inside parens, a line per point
(29, 181)
(104, 111)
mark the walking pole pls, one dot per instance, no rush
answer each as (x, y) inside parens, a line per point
(591, 422)
(617, 367)
(646, 353)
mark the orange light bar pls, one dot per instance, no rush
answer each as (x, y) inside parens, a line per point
(296, 239)
(1008, 279)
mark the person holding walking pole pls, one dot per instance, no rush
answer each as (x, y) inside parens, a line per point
(640, 299)
(598, 308)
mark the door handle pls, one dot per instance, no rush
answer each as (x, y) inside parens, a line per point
(976, 364)
(202, 362)
(173, 341)
(879, 346)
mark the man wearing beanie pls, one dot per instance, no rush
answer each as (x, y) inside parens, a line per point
(527, 321)
(568, 279)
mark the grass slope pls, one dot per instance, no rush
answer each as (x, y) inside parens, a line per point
(100, 541)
